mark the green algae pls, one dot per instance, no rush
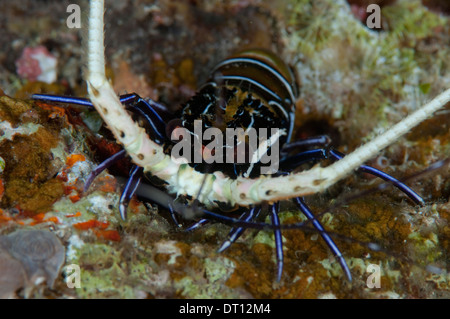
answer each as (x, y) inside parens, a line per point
(411, 21)
(217, 272)
(357, 74)
(426, 247)
(101, 272)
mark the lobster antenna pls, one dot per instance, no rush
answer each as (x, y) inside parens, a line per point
(95, 43)
(140, 148)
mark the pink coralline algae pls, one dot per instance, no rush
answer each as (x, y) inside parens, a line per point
(37, 64)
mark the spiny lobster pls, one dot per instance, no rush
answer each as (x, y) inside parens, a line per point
(252, 88)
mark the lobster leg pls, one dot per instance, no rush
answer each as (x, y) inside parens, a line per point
(331, 244)
(293, 161)
(102, 166)
(146, 108)
(173, 215)
(320, 140)
(129, 190)
(275, 209)
(63, 99)
(236, 232)
(198, 224)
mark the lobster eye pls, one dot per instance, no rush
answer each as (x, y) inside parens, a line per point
(172, 125)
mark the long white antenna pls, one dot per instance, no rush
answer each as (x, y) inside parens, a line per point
(95, 44)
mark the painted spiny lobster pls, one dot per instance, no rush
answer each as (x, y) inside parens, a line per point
(251, 89)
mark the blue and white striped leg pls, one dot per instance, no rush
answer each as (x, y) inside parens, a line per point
(149, 109)
(130, 189)
(102, 166)
(274, 210)
(329, 241)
